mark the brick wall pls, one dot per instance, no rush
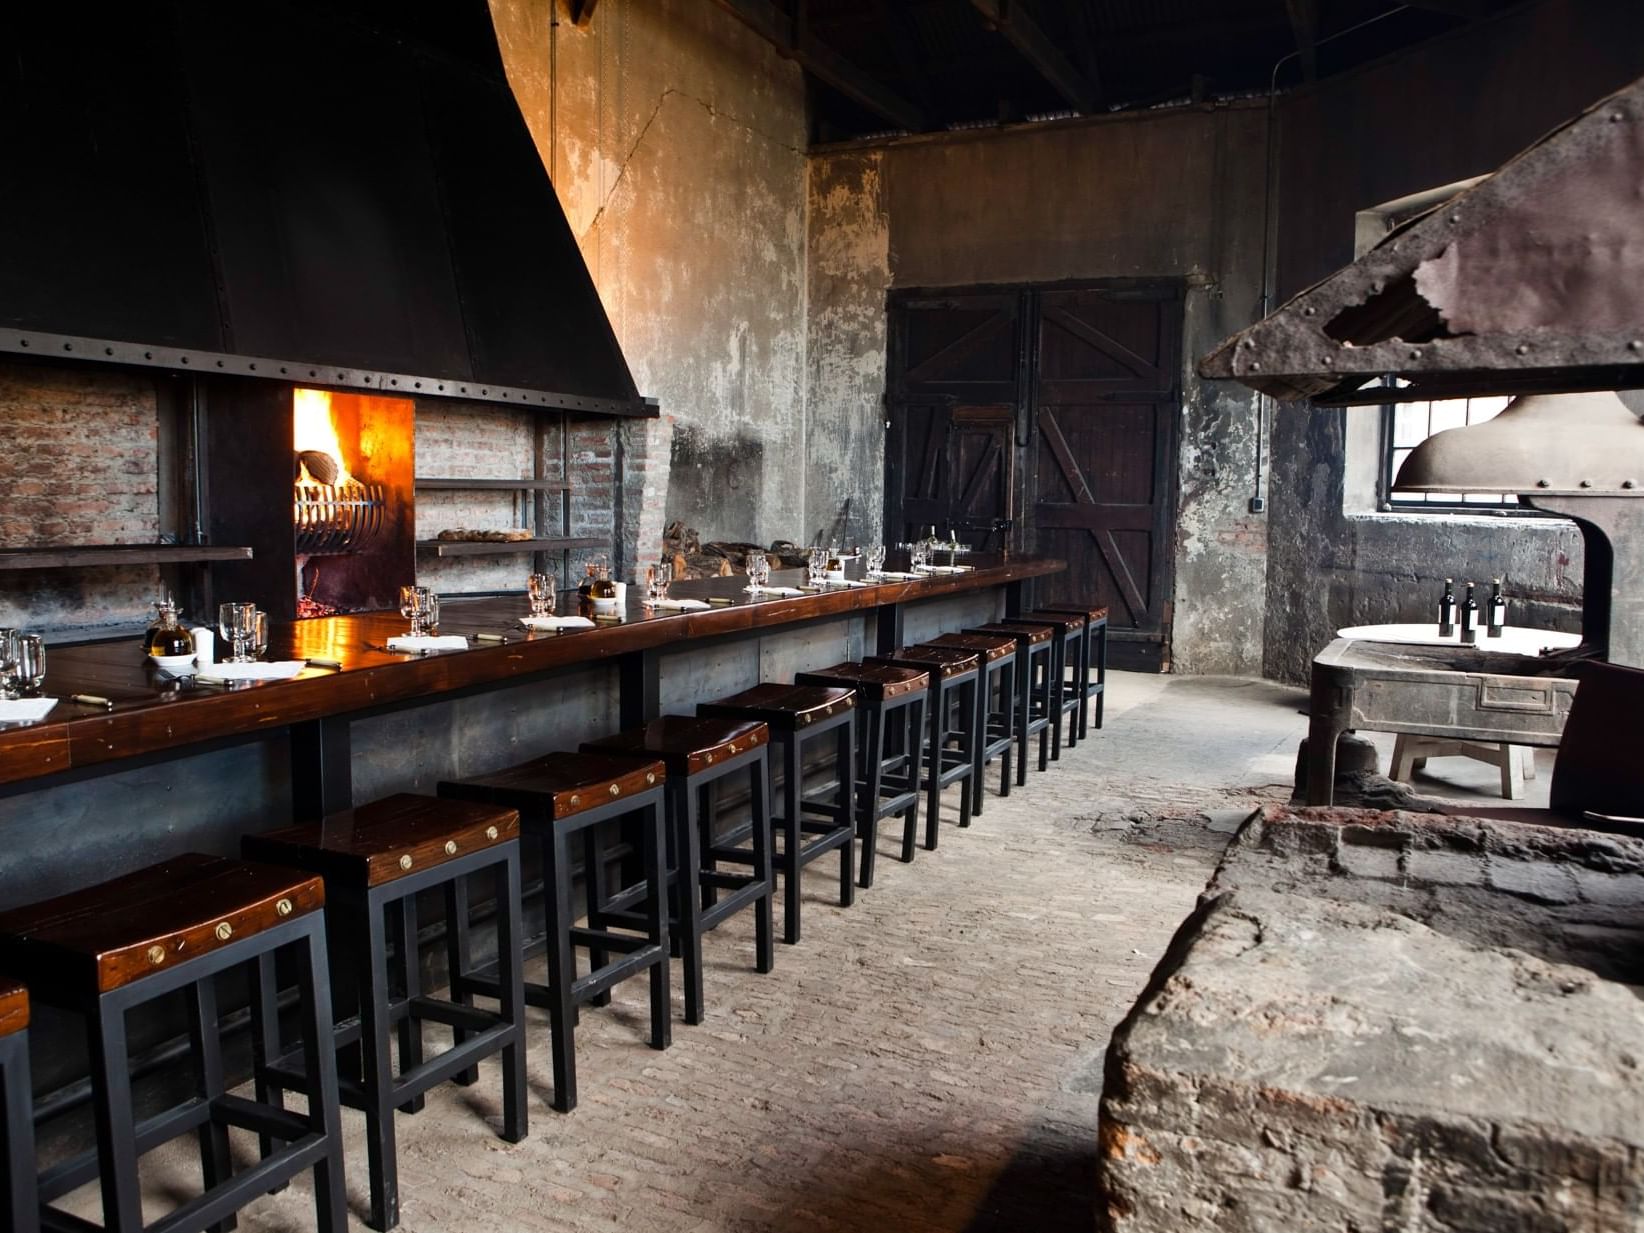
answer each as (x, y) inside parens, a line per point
(80, 467)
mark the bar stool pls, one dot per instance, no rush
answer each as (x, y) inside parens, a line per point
(1069, 643)
(560, 797)
(890, 702)
(1035, 683)
(21, 1207)
(798, 717)
(954, 683)
(375, 859)
(108, 949)
(1092, 684)
(700, 754)
(997, 721)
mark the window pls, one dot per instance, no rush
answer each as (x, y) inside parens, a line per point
(1408, 424)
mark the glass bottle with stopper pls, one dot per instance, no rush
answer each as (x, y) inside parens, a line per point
(166, 637)
(603, 592)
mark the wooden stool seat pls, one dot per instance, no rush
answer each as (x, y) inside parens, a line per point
(944, 661)
(1091, 612)
(686, 744)
(1071, 642)
(1049, 616)
(19, 1201)
(105, 937)
(993, 647)
(565, 784)
(14, 1008)
(872, 682)
(1032, 634)
(783, 706)
(387, 839)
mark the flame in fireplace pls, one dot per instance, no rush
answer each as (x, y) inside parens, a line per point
(313, 429)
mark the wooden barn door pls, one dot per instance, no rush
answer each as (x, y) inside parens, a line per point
(1044, 418)
(1103, 458)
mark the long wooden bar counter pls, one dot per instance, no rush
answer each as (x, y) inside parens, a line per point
(152, 715)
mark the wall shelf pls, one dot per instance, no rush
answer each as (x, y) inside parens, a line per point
(118, 554)
(477, 485)
(473, 548)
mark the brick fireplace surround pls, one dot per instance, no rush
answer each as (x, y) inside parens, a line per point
(1390, 1022)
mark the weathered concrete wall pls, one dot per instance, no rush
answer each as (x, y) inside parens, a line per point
(1155, 195)
(1454, 108)
(675, 139)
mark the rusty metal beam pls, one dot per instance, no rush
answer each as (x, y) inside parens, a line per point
(582, 11)
(1013, 21)
(791, 36)
(1532, 279)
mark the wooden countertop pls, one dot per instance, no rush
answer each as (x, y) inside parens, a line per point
(152, 714)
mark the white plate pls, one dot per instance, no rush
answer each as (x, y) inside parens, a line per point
(175, 664)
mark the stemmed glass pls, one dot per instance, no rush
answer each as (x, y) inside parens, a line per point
(414, 608)
(816, 565)
(8, 662)
(658, 578)
(238, 625)
(540, 589)
(875, 560)
(759, 570)
(30, 671)
(918, 554)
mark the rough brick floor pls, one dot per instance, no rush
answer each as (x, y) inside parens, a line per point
(929, 1059)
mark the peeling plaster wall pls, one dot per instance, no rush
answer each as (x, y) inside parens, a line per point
(1456, 107)
(675, 139)
(1153, 195)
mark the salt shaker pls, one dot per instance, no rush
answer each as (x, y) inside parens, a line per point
(205, 646)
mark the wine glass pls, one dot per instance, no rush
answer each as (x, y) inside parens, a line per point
(30, 669)
(8, 662)
(759, 570)
(539, 588)
(875, 560)
(918, 554)
(237, 623)
(658, 578)
(413, 606)
(816, 565)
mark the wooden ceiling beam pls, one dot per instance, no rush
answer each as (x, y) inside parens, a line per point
(1040, 50)
(1304, 22)
(791, 36)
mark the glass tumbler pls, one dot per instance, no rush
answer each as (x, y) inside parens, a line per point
(30, 663)
(875, 559)
(816, 565)
(540, 590)
(259, 634)
(8, 662)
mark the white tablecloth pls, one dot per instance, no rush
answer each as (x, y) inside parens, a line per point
(1514, 639)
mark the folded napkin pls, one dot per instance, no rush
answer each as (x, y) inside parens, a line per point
(553, 623)
(773, 590)
(946, 569)
(279, 670)
(428, 642)
(896, 574)
(682, 605)
(25, 710)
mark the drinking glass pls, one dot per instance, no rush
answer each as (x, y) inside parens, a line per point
(259, 634)
(237, 623)
(30, 663)
(759, 570)
(430, 610)
(816, 565)
(540, 589)
(918, 554)
(8, 662)
(658, 578)
(413, 606)
(875, 560)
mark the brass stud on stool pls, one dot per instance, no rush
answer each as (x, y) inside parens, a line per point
(224, 931)
(490, 832)
(156, 955)
(283, 907)
(450, 847)
(405, 861)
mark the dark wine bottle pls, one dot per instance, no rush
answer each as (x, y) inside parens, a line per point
(1497, 616)
(1469, 618)
(1447, 609)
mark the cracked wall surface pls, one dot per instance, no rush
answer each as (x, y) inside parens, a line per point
(675, 137)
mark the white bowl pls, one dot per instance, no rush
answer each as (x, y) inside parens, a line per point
(177, 665)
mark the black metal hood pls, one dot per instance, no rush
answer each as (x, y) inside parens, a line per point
(340, 192)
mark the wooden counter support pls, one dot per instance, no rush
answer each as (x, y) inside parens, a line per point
(152, 716)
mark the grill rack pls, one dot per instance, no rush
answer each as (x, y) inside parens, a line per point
(336, 518)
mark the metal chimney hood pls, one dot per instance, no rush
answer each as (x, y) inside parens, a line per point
(1530, 281)
(332, 192)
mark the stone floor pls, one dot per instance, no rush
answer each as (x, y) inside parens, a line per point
(930, 1059)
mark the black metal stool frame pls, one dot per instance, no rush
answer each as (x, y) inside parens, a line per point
(1070, 652)
(312, 1141)
(694, 884)
(997, 727)
(1033, 688)
(876, 720)
(565, 990)
(836, 833)
(1092, 662)
(22, 1208)
(384, 915)
(944, 766)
